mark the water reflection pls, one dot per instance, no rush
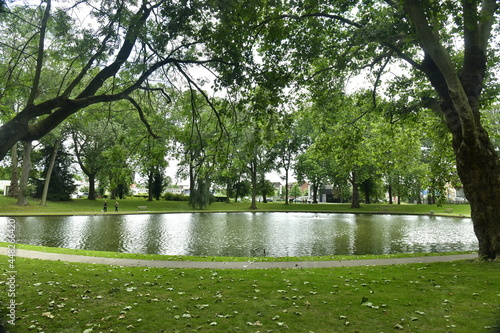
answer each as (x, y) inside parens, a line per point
(248, 234)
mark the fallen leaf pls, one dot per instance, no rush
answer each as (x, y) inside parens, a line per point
(48, 315)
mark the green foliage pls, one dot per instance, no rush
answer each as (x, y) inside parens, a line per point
(61, 181)
(168, 196)
(241, 189)
(5, 173)
(200, 196)
(295, 191)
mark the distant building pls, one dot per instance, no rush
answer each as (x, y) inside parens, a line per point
(179, 189)
(5, 186)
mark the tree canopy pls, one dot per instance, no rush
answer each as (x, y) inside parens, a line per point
(59, 58)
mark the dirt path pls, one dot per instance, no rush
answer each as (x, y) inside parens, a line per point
(231, 265)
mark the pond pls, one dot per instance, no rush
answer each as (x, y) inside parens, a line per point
(248, 234)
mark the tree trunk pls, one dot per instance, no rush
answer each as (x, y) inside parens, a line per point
(478, 165)
(315, 187)
(14, 180)
(390, 194)
(286, 186)
(228, 190)
(355, 191)
(49, 172)
(92, 195)
(479, 169)
(150, 185)
(22, 199)
(253, 172)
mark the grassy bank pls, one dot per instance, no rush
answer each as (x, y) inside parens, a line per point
(139, 256)
(69, 297)
(8, 207)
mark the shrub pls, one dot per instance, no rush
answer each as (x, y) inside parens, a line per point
(168, 196)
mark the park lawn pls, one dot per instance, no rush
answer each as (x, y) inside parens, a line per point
(8, 207)
(142, 256)
(54, 297)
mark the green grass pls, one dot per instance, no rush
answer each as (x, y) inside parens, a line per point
(139, 256)
(68, 297)
(129, 206)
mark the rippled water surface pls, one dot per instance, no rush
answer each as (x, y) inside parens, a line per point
(248, 234)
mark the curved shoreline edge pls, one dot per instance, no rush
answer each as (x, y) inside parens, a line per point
(30, 254)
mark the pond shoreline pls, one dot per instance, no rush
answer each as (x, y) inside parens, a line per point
(125, 262)
(11, 215)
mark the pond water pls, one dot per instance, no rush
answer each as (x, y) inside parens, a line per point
(248, 234)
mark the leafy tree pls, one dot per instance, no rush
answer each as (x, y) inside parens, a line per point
(62, 183)
(295, 191)
(439, 43)
(91, 139)
(242, 189)
(314, 169)
(125, 49)
(292, 139)
(266, 189)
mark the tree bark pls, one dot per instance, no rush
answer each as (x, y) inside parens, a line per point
(92, 194)
(355, 191)
(390, 194)
(478, 164)
(253, 176)
(315, 187)
(49, 172)
(22, 199)
(150, 185)
(479, 170)
(14, 180)
(286, 186)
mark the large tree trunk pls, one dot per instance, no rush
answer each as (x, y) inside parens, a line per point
(355, 191)
(479, 169)
(92, 194)
(478, 165)
(22, 199)
(14, 179)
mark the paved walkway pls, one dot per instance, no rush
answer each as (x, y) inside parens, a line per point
(232, 265)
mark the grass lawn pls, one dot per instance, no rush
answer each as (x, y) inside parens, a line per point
(69, 297)
(58, 297)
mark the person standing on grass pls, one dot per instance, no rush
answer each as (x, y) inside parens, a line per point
(116, 206)
(105, 208)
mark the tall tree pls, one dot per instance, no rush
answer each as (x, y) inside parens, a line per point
(58, 163)
(443, 44)
(90, 141)
(125, 46)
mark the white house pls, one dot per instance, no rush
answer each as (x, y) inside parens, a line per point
(5, 186)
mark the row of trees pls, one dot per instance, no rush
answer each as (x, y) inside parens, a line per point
(437, 55)
(354, 148)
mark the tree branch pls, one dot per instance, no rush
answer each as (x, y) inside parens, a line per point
(143, 117)
(39, 60)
